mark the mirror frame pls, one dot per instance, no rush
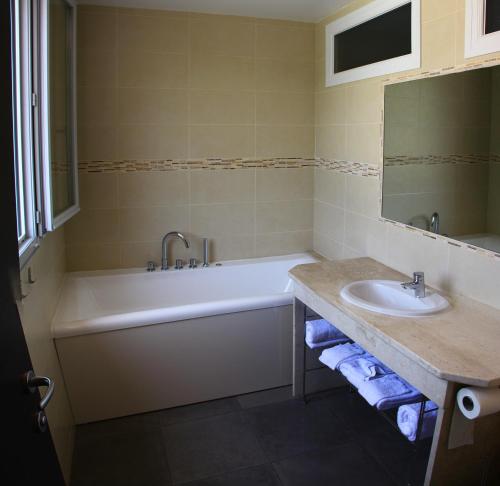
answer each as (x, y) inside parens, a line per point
(52, 221)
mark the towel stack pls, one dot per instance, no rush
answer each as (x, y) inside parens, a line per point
(408, 416)
(376, 383)
(321, 333)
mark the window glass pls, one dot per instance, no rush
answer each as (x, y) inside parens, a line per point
(492, 23)
(384, 37)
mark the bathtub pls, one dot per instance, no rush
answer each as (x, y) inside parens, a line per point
(131, 341)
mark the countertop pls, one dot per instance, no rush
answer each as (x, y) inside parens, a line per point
(460, 344)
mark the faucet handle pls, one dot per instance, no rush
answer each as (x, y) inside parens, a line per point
(418, 276)
(179, 264)
(151, 266)
(193, 263)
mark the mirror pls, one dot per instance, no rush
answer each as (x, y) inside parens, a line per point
(58, 110)
(442, 155)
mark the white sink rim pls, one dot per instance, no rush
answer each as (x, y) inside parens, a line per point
(431, 304)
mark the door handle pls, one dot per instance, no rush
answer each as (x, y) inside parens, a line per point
(32, 383)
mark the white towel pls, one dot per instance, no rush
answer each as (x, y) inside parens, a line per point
(333, 357)
(388, 391)
(408, 420)
(321, 333)
(360, 369)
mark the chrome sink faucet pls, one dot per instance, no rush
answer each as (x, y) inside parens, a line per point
(418, 285)
(435, 223)
(164, 247)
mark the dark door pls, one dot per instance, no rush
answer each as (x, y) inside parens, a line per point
(27, 454)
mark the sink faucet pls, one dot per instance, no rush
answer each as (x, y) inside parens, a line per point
(435, 223)
(164, 247)
(418, 285)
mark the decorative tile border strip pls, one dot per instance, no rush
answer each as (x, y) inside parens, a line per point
(123, 166)
(436, 159)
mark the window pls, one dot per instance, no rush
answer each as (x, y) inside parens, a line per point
(482, 27)
(381, 38)
(43, 76)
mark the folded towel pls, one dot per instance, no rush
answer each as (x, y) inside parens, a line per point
(333, 357)
(388, 391)
(320, 333)
(408, 420)
(360, 369)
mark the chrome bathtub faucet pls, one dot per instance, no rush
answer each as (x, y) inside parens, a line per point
(418, 285)
(164, 247)
(151, 266)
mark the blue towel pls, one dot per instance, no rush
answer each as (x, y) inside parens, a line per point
(408, 420)
(334, 357)
(360, 369)
(320, 333)
(388, 391)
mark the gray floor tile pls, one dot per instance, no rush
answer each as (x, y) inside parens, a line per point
(292, 427)
(265, 397)
(121, 460)
(253, 476)
(208, 447)
(343, 465)
(198, 411)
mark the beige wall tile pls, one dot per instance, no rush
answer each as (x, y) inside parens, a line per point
(97, 28)
(284, 75)
(222, 141)
(280, 42)
(222, 186)
(136, 255)
(363, 143)
(153, 106)
(209, 71)
(155, 70)
(222, 35)
(364, 102)
(285, 108)
(214, 220)
(208, 107)
(330, 249)
(331, 142)
(93, 256)
(329, 220)
(97, 142)
(146, 189)
(284, 184)
(231, 247)
(331, 106)
(151, 224)
(438, 43)
(365, 236)
(98, 191)
(271, 244)
(362, 195)
(153, 33)
(330, 187)
(280, 216)
(432, 10)
(97, 106)
(97, 67)
(93, 226)
(152, 142)
(283, 141)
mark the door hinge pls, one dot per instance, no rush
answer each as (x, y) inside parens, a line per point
(38, 217)
(34, 100)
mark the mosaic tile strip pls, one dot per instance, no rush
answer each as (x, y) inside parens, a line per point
(214, 164)
(436, 159)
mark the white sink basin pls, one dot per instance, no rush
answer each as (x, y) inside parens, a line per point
(388, 297)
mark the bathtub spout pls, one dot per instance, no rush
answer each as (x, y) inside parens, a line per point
(164, 247)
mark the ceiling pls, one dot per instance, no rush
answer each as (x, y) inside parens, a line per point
(302, 10)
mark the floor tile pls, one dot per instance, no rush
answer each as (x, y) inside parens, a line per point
(253, 476)
(292, 427)
(204, 448)
(198, 411)
(265, 397)
(343, 465)
(117, 460)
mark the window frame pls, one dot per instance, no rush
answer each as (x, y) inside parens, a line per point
(477, 42)
(358, 17)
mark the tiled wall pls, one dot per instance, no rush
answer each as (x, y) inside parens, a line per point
(493, 222)
(36, 310)
(349, 127)
(156, 85)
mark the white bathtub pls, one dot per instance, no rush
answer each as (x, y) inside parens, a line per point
(131, 341)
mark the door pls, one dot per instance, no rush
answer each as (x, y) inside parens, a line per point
(28, 456)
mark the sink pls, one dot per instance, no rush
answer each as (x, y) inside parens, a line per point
(388, 297)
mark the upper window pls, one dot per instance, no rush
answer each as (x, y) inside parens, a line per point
(482, 27)
(381, 38)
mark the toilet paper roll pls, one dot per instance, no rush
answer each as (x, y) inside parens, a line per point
(477, 402)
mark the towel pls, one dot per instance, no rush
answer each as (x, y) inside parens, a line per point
(333, 357)
(360, 369)
(388, 391)
(408, 420)
(320, 333)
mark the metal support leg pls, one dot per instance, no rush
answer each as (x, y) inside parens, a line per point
(299, 362)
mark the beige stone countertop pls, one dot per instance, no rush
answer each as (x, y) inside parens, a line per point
(460, 344)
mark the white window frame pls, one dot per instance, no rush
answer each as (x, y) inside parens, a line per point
(360, 16)
(42, 114)
(477, 42)
(26, 178)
